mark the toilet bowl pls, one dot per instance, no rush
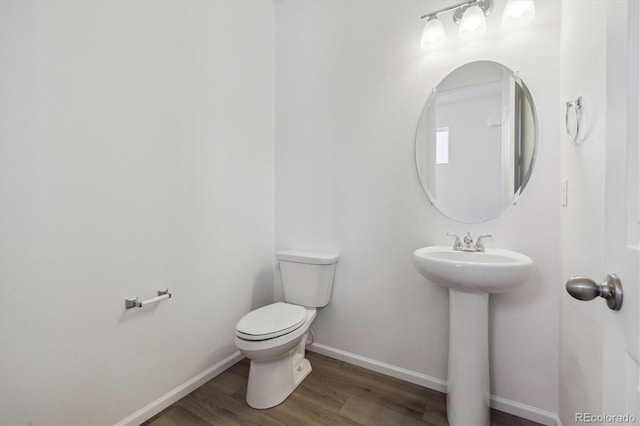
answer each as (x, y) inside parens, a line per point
(274, 336)
(278, 364)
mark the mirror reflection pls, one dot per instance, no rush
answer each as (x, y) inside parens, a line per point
(476, 141)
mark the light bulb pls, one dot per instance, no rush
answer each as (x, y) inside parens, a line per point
(473, 23)
(517, 12)
(432, 34)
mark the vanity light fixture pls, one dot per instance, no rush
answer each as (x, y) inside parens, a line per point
(470, 16)
(472, 24)
(433, 32)
(517, 12)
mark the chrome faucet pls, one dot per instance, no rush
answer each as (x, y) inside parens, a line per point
(466, 244)
(479, 245)
(457, 245)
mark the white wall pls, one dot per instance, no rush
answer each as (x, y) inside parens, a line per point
(351, 82)
(136, 152)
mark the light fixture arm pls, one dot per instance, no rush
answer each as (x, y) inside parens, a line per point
(446, 9)
(485, 5)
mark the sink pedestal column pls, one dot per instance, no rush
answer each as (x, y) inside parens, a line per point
(468, 394)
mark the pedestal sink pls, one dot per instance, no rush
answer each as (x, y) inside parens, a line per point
(470, 277)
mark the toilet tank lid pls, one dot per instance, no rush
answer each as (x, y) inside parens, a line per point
(310, 257)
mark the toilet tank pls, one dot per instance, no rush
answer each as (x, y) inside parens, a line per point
(307, 277)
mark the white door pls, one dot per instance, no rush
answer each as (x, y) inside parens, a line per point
(621, 347)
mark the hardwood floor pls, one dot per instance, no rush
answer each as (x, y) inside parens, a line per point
(335, 393)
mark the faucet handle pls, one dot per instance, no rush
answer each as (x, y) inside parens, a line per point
(457, 245)
(479, 244)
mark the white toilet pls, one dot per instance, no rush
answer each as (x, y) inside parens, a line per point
(274, 337)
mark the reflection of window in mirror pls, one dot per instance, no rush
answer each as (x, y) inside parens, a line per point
(442, 145)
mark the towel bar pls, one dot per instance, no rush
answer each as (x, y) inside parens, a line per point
(133, 302)
(577, 107)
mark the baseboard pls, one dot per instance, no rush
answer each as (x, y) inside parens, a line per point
(525, 411)
(502, 404)
(381, 367)
(557, 419)
(179, 392)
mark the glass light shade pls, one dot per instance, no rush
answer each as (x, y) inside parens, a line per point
(432, 34)
(473, 23)
(517, 12)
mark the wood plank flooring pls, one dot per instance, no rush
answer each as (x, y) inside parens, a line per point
(335, 393)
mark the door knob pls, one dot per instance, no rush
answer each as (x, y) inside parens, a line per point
(586, 289)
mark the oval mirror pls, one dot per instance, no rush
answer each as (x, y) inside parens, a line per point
(477, 141)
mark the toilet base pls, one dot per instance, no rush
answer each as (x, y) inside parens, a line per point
(271, 382)
(278, 365)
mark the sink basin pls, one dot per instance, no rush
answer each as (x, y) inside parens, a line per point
(491, 271)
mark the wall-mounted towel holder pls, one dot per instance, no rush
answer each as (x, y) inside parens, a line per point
(577, 107)
(133, 302)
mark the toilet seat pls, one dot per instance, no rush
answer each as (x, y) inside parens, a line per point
(271, 321)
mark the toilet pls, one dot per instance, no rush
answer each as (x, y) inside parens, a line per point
(273, 337)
